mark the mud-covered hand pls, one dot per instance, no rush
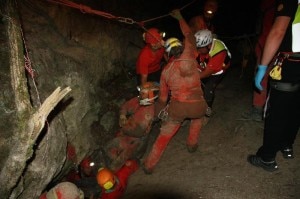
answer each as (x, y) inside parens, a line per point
(122, 120)
(261, 71)
(176, 14)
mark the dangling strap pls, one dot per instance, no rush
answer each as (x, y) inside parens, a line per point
(163, 114)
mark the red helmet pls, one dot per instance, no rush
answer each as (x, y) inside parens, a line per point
(86, 163)
(152, 36)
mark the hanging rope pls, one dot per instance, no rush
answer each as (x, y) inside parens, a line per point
(166, 15)
(86, 9)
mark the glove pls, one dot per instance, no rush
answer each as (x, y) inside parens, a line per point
(122, 120)
(261, 71)
(176, 14)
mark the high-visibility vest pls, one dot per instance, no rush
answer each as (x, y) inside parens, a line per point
(296, 31)
(218, 46)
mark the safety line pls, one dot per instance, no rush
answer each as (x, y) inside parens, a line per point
(166, 15)
(87, 9)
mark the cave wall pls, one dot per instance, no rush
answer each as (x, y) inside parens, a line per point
(92, 55)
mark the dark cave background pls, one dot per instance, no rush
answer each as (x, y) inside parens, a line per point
(96, 57)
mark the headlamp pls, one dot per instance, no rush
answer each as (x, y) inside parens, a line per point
(209, 12)
(92, 164)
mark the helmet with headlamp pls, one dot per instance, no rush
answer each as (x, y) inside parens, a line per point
(148, 93)
(105, 178)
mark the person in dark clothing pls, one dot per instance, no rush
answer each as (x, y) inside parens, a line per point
(282, 115)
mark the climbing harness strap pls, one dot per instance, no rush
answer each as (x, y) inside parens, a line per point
(163, 114)
(275, 73)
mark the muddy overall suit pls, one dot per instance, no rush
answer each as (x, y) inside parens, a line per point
(282, 116)
(180, 78)
(136, 116)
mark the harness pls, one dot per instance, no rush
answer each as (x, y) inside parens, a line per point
(275, 73)
(293, 56)
(163, 114)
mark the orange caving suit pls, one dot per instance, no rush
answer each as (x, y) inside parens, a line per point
(122, 179)
(180, 77)
(131, 141)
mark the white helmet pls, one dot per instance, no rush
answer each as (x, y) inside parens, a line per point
(203, 38)
(65, 190)
(172, 42)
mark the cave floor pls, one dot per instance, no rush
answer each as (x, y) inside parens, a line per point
(219, 169)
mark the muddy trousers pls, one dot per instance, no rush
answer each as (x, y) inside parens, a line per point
(122, 148)
(282, 123)
(167, 131)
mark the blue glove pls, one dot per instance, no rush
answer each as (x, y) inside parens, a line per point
(261, 71)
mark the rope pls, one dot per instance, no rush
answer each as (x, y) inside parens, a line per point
(86, 9)
(28, 65)
(166, 15)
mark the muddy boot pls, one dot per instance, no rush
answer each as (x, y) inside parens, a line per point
(192, 149)
(254, 114)
(146, 170)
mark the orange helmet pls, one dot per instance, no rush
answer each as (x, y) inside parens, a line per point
(148, 93)
(106, 178)
(152, 36)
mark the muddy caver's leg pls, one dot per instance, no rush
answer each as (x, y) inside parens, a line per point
(194, 132)
(120, 150)
(167, 131)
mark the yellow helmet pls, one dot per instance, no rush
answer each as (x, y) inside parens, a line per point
(106, 178)
(172, 42)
